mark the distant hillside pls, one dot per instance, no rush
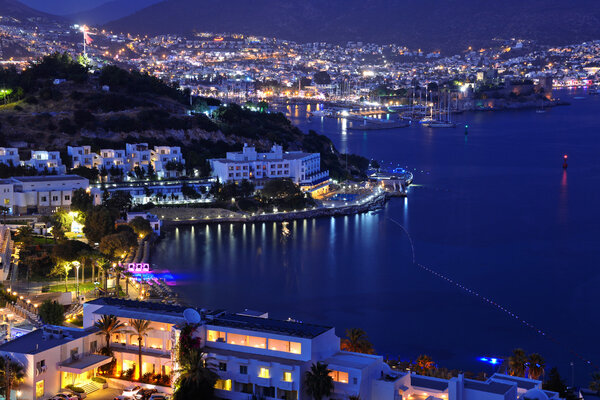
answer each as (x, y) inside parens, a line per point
(109, 11)
(114, 106)
(429, 24)
(21, 12)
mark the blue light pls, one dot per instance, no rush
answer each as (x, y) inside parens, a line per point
(490, 360)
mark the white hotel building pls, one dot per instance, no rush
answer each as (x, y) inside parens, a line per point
(134, 155)
(41, 160)
(302, 168)
(251, 353)
(42, 194)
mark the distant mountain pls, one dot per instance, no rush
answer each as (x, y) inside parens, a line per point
(19, 11)
(64, 7)
(109, 11)
(429, 24)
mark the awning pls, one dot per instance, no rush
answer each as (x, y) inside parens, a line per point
(84, 364)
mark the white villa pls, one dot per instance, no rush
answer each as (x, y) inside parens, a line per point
(302, 168)
(251, 353)
(134, 155)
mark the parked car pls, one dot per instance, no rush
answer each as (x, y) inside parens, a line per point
(121, 397)
(65, 396)
(131, 391)
(159, 396)
(145, 394)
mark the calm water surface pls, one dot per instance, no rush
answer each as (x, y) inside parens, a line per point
(494, 211)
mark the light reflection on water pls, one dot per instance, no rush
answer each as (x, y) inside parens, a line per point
(494, 211)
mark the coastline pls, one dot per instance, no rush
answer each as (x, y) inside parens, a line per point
(182, 216)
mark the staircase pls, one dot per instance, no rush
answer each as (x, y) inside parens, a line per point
(91, 386)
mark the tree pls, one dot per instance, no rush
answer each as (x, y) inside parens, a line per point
(423, 364)
(120, 200)
(556, 384)
(99, 223)
(11, 374)
(318, 382)
(52, 313)
(108, 325)
(24, 235)
(516, 363)
(195, 380)
(357, 341)
(280, 189)
(536, 365)
(61, 269)
(322, 78)
(595, 383)
(141, 226)
(81, 201)
(140, 328)
(118, 243)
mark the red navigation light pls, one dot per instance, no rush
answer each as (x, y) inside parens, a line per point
(565, 156)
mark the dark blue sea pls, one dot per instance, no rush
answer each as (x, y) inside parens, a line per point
(493, 211)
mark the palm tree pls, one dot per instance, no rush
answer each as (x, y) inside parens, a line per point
(118, 269)
(108, 325)
(318, 382)
(127, 275)
(536, 365)
(195, 379)
(105, 267)
(424, 364)
(140, 328)
(595, 383)
(357, 341)
(12, 373)
(516, 362)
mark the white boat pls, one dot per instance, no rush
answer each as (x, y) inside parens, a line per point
(440, 124)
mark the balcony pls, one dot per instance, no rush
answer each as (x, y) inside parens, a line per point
(147, 351)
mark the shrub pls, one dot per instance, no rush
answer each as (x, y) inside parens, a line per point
(75, 389)
(99, 379)
(128, 374)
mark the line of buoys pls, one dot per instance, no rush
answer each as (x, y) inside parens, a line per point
(489, 301)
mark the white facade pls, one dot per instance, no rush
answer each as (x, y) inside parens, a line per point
(54, 357)
(138, 155)
(161, 156)
(6, 250)
(41, 194)
(303, 169)
(9, 155)
(251, 354)
(43, 160)
(83, 156)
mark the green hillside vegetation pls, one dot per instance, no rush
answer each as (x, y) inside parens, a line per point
(57, 102)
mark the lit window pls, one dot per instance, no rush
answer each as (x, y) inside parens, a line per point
(223, 384)
(339, 376)
(287, 376)
(264, 373)
(39, 389)
(216, 336)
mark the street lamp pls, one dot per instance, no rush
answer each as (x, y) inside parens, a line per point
(77, 265)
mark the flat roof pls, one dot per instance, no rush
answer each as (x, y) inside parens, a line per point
(135, 309)
(48, 178)
(352, 360)
(522, 383)
(427, 382)
(276, 326)
(34, 342)
(489, 386)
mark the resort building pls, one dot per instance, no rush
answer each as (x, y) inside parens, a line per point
(251, 353)
(56, 356)
(42, 194)
(138, 155)
(166, 160)
(114, 159)
(9, 156)
(83, 156)
(43, 161)
(304, 169)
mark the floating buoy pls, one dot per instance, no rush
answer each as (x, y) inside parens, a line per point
(565, 165)
(466, 129)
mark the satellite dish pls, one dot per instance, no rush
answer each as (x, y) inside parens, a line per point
(192, 316)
